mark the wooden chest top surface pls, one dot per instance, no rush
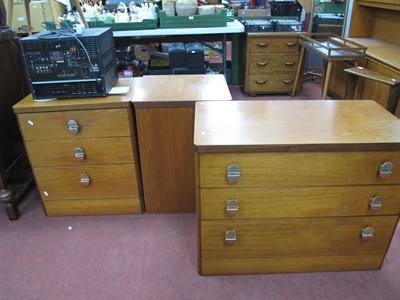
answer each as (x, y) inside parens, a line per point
(302, 125)
(175, 90)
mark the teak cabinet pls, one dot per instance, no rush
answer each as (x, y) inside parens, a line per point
(164, 109)
(275, 196)
(271, 62)
(83, 153)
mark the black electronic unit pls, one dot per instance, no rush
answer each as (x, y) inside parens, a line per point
(62, 64)
(194, 56)
(177, 55)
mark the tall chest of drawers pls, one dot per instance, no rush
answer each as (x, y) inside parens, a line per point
(295, 186)
(271, 62)
(83, 153)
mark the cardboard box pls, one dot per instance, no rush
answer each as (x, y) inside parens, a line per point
(40, 12)
(251, 13)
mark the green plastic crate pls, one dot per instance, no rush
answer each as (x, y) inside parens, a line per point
(197, 21)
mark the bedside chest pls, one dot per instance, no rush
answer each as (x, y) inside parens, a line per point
(83, 153)
(295, 186)
(271, 62)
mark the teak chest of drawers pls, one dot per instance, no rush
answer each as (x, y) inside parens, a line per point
(271, 62)
(295, 186)
(83, 153)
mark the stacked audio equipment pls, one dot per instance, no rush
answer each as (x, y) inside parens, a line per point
(63, 64)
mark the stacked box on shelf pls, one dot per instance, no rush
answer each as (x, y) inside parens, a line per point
(145, 24)
(196, 21)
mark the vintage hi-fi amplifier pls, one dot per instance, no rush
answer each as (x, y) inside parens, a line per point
(63, 64)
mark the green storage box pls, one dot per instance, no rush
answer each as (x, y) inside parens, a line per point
(197, 21)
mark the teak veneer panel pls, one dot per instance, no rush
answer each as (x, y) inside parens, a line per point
(296, 237)
(106, 181)
(93, 207)
(92, 123)
(295, 202)
(97, 151)
(289, 264)
(167, 162)
(298, 168)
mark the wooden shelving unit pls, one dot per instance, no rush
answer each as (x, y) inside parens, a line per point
(375, 25)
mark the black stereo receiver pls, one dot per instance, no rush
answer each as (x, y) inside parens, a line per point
(63, 64)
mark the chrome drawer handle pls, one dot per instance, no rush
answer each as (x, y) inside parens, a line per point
(287, 81)
(291, 44)
(232, 207)
(262, 44)
(233, 173)
(261, 63)
(79, 154)
(376, 203)
(73, 127)
(261, 81)
(85, 180)
(289, 63)
(230, 237)
(386, 169)
(367, 233)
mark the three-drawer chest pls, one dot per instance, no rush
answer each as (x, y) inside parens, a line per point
(83, 153)
(271, 62)
(295, 186)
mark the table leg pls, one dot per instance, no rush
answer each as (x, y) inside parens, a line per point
(224, 55)
(327, 78)
(298, 73)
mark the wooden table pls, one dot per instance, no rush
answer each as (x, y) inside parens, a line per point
(164, 108)
(295, 186)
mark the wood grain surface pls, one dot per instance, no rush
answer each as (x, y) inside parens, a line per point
(294, 202)
(317, 125)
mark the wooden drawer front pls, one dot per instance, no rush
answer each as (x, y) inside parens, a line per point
(299, 168)
(270, 82)
(277, 63)
(92, 123)
(296, 237)
(289, 202)
(93, 207)
(98, 151)
(116, 181)
(290, 264)
(275, 44)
